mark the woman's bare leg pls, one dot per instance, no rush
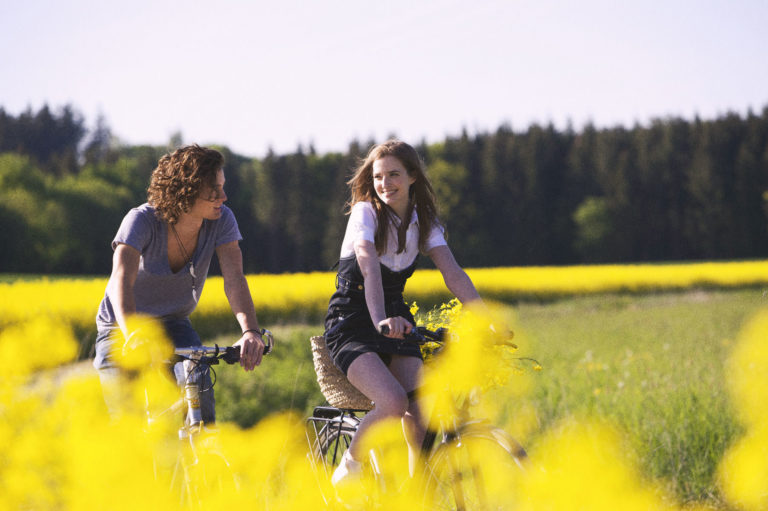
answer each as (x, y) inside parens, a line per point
(369, 375)
(407, 371)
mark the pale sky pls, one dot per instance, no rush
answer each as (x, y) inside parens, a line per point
(254, 74)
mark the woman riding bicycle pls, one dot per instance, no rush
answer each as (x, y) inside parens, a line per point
(162, 252)
(392, 218)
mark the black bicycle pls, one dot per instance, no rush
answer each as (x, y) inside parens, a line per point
(462, 460)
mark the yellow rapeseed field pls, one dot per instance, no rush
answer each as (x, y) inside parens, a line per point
(61, 450)
(302, 296)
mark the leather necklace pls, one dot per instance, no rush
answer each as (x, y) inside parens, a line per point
(187, 259)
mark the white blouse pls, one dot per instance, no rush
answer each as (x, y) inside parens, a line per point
(362, 226)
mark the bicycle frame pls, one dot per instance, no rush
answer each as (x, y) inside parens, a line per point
(452, 430)
(188, 471)
(191, 358)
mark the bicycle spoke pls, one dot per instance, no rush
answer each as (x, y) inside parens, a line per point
(333, 441)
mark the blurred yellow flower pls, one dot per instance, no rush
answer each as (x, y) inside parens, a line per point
(36, 344)
(582, 465)
(744, 469)
(147, 344)
(475, 357)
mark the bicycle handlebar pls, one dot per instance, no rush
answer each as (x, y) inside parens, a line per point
(420, 335)
(229, 354)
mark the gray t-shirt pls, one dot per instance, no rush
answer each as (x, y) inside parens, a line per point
(158, 291)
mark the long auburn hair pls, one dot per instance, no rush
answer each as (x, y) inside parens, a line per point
(421, 194)
(179, 177)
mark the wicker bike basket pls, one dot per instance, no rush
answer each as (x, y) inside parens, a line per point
(333, 384)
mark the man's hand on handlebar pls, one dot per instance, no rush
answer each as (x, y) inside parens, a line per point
(395, 328)
(251, 349)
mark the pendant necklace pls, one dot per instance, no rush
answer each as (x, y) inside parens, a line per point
(187, 259)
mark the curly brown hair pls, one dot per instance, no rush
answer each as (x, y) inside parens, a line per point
(422, 196)
(179, 177)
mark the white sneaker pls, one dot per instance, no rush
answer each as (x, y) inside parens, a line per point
(347, 470)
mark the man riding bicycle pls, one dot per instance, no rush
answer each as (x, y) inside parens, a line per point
(162, 252)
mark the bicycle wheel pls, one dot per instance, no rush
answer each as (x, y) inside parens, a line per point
(203, 475)
(476, 470)
(332, 440)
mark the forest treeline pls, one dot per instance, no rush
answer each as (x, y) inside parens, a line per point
(675, 189)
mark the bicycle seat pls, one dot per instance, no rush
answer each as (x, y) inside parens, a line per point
(326, 412)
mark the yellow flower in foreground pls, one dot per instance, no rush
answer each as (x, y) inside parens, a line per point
(478, 355)
(583, 466)
(747, 369)
(61, 450)
(146, 345)
(744, 469)
(36, 344)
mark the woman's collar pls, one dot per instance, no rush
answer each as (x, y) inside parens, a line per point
(414, 217)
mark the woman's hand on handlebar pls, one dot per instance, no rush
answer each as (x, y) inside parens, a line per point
(251, 349)
(395, 328)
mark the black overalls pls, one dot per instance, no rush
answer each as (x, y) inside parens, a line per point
(349, 329)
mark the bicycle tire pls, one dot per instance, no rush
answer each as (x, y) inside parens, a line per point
(333, 440)
(475, 470)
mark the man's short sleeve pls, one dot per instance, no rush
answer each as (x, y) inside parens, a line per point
(136, 229)
(228, 230)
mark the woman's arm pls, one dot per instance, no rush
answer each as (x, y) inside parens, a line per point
(368, 260)
(125, 267)
(239, 297)
(456, 279)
